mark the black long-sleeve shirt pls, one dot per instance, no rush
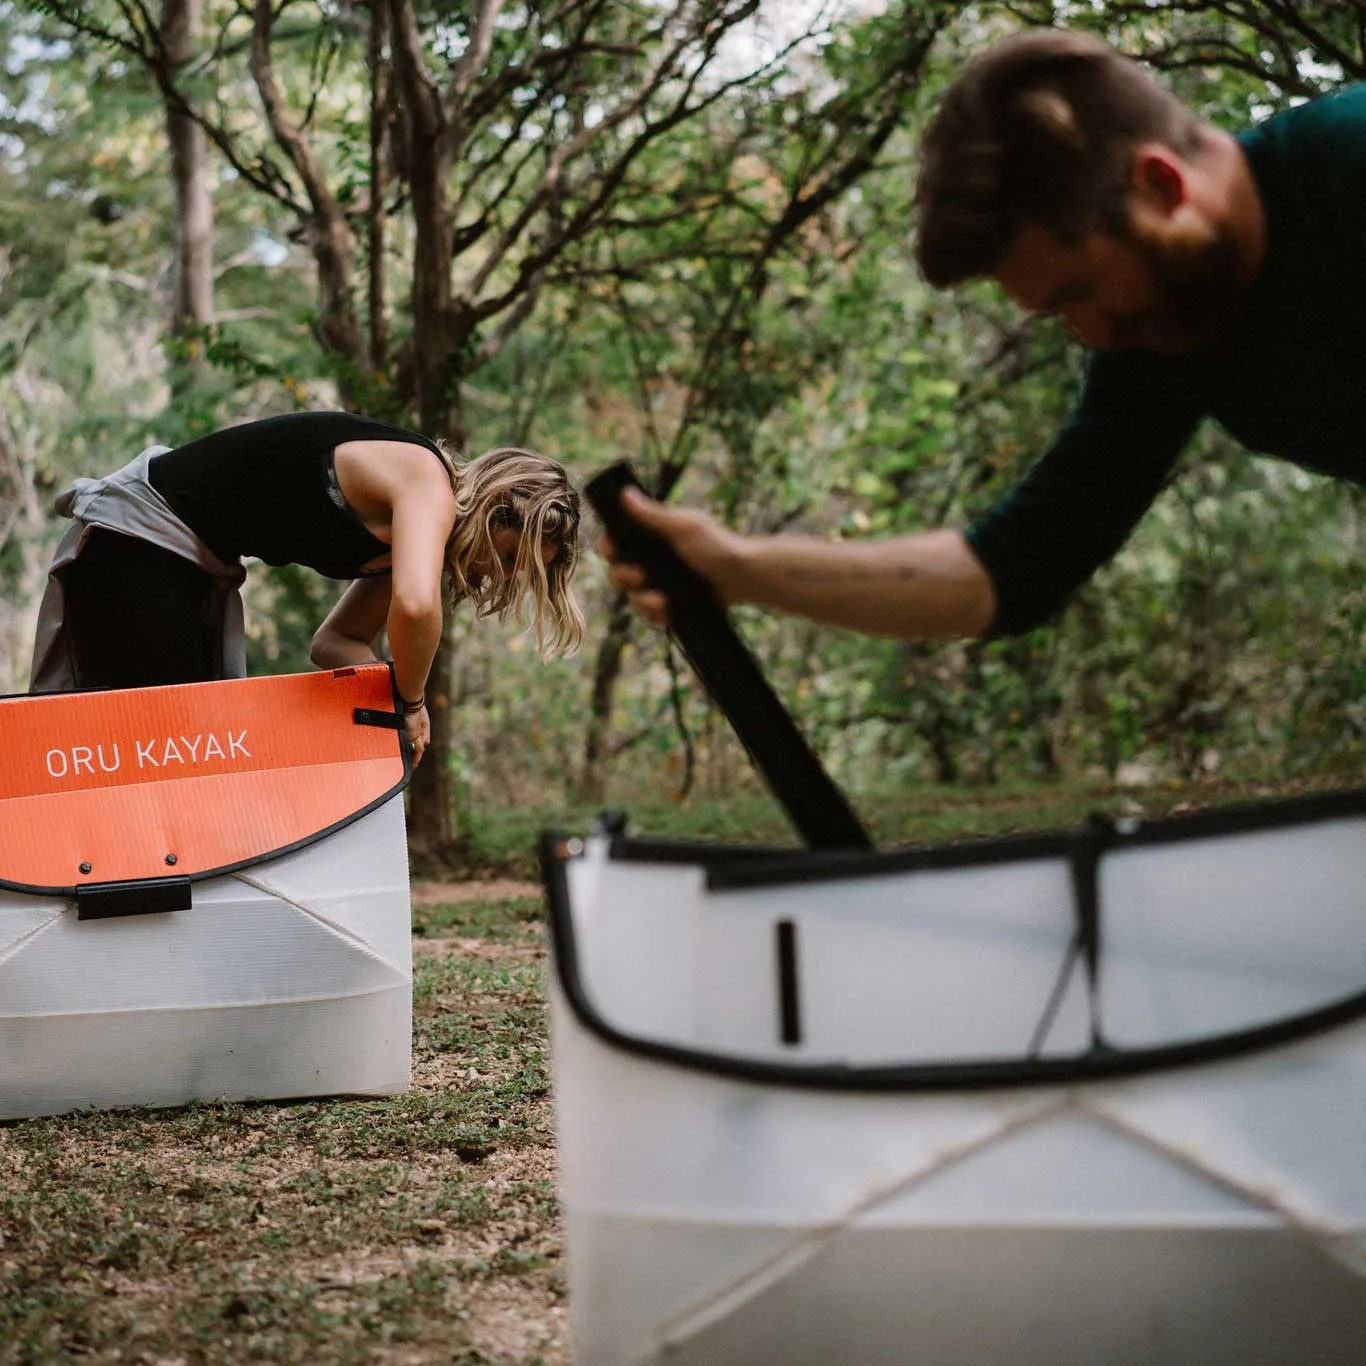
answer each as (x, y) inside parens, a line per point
(1289, 382)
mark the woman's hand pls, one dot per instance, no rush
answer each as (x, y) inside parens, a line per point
(417, 730)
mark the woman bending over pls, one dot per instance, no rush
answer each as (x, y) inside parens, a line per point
(143, 588)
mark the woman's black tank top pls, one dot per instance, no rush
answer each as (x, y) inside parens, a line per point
(269, 489)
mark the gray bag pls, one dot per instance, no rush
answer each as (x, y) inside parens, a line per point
(126, 502)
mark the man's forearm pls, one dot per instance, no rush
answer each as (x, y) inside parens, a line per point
(925, 586)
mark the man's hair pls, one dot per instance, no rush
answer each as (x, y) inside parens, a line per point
(517, 490)
(1038, 129)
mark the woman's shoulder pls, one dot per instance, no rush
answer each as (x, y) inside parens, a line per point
(392, 465)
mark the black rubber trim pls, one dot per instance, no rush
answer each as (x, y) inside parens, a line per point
(644, 849)
(799, 866)
(147, 896)
(815, 806)
(1098, 1064)
(246, 862)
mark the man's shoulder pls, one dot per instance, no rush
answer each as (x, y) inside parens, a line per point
(1331, 126)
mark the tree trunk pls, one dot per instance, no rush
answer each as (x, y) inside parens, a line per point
(434, 835)
(192, 306)
(606, 672)
(432, 840)
(23, 560)
(379, 332)
(438, 337)
(433, 831)
(329, 235)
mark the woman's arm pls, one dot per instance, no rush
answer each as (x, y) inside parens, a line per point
(403, 493)
(349, 631)
(348, 636)
(423, 515)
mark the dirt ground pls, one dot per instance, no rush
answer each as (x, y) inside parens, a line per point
(522, 1319)
(419, 1229)
(456, 893)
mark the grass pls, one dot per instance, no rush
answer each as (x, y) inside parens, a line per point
(418, 1229)
(412, 1230)
(504, 840)
(501, 920)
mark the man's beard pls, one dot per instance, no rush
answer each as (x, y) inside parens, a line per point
(1198, 289)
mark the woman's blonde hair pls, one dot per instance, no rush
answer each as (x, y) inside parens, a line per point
(512, 489)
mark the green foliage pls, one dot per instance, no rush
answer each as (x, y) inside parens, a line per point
(806, 381)
(1229, 57)
(285, 604)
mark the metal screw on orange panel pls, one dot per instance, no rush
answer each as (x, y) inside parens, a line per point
(85, 867)
(170, 858)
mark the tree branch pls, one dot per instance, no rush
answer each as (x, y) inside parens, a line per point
(330, 235)
(146, 47)
(473, 61)
(418, 89)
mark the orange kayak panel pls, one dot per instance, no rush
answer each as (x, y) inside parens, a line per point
(188, 780)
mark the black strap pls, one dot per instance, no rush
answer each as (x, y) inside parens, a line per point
(145, 896)
(789, 996)
(1085, 865)
(817, 808)
(369, 716)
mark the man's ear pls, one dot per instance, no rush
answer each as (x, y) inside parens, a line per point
(1158, 176)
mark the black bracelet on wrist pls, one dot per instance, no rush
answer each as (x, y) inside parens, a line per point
(410, 708)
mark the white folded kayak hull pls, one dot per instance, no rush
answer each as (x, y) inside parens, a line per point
(292, 979)
(851, 1108)
(237, 920)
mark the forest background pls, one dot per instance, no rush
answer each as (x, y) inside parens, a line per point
(677, 231)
